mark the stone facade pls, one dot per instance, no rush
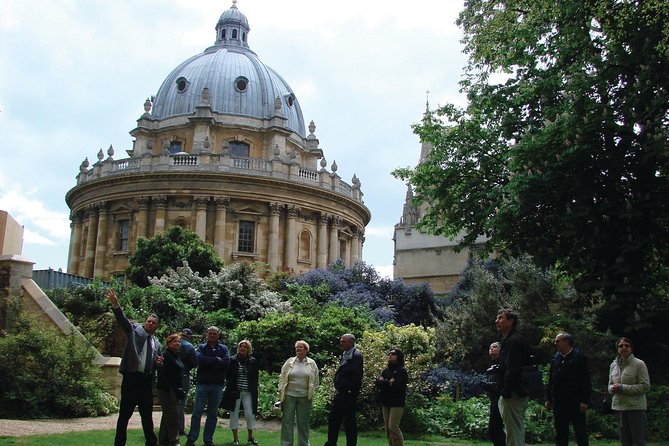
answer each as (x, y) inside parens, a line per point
(423, 258)
(254, 186)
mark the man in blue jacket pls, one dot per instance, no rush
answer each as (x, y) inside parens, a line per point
(347, 383)
(189, 359)
(140, 357)
(213, 359)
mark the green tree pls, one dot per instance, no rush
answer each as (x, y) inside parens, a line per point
(168, 250)
(44, 373)
(568, 158)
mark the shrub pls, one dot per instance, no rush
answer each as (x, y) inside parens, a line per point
(168, 250)
(44, 373)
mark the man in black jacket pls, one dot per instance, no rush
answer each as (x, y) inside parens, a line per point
(569, 390)
(347, 383)
(514, 397)
(140, 356)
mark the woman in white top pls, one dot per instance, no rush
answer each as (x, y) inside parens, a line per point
(297, 386)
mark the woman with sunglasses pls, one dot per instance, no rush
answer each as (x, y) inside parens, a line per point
(392, 387)
(628, 383)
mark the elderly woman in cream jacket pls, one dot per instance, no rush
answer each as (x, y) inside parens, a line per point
(297, 386)
(628, 383)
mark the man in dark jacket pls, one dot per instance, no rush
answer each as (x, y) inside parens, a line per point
(495, 423)
(140, 356)
(213, 359)
(514, 397)
(347, 383)
(569, 390)
(189, 360)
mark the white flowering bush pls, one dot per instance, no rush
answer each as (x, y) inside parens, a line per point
(236, 287)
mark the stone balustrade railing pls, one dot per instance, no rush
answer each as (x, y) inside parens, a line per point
(219, 163)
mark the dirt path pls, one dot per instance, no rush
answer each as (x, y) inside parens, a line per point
(16, 428)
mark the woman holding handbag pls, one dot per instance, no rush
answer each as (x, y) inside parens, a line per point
(170, 391)
(241, 390)
(392, 391)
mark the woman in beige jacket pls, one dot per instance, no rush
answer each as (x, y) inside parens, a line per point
(297, 386)
(628, 383)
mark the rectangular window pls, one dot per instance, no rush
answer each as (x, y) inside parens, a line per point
(246, 235)
(123, 235)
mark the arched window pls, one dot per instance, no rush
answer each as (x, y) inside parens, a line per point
(304, 252)
(223, 34)
(234, 33)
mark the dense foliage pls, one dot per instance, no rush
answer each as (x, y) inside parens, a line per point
(360, 285)
(44, 373)
(168, 250)
(445, 357)
(567, 157)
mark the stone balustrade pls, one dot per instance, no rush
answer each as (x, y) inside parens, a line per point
(207, 163)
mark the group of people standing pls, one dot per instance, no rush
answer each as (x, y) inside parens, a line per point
(568, 391)
(231, 382)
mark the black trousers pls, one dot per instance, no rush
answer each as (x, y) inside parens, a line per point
(565, 413)
(136, 391)
(495, 423)
(342, 409)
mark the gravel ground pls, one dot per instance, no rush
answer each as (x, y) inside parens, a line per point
(16, 428)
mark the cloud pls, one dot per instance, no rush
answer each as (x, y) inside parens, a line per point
(385, 271)
(42, 226)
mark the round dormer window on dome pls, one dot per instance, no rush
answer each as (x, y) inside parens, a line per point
(241, 84)
(182, 84)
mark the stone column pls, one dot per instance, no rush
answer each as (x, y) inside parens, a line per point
(201, 216)
(334, 239)
(322, 241)
(75, 244)
(160, 204)
(91, 240)
(273, 248)
(219, 228)
(143, 217)
(102, 240)
(290, 254)
(355, 245)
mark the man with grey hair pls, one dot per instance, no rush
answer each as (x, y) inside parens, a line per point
(347, 383)
(569, 390)
(213, 359)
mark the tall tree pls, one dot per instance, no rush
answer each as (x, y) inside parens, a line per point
(567, 158)
(168, 250)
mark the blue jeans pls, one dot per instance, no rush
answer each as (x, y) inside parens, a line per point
(209, 395)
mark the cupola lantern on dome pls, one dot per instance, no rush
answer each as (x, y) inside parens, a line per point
(232, 28)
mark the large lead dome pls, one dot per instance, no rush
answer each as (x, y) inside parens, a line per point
(239, 82)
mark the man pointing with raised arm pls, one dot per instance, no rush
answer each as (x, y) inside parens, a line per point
(140, 356)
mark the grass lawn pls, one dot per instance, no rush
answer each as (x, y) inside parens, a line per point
(224, 438)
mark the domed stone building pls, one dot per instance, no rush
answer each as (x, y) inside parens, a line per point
(222, 149)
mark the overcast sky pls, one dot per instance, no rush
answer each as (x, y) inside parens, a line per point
(74, 75)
